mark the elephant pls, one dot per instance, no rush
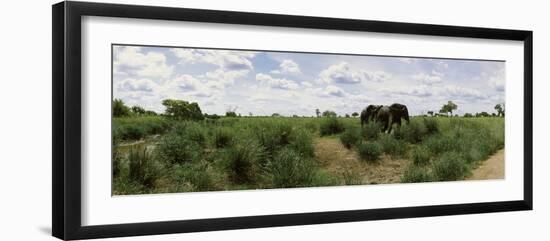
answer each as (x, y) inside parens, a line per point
(369, 113)
(386, 115)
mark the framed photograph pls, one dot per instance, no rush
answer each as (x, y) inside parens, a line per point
(171, 120)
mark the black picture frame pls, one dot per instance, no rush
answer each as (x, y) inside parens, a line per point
(66, 127)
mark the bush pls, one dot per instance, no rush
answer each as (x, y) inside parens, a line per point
(371, 130)
(116, 161)
(330, 126)
(289, 169)
(197, 175)
(131, 132)
(143, 168)
(351, 177)
(450, 166)
(394, 148)
(242, 161)
(369, 151)
(222, 137)
(432, 126)
(414, 132)
(420, 155)
(192, 131)
(174, 148)
(351, 137)
(302, 142)
(414, 174)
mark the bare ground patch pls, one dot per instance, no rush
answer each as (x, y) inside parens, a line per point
(337, 160)
(492, 168)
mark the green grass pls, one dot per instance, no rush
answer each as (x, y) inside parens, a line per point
(264, 152)
(369, 152)
(351, 137)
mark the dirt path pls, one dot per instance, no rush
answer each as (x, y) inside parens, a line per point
(344, 163)
(492, 168)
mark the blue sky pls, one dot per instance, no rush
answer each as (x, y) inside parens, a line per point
(263, 83)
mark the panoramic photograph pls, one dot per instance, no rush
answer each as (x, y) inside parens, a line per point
(196, 119)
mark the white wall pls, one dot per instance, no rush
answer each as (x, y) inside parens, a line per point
(25, 103)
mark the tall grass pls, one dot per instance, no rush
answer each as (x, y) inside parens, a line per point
(369, 152)
(330, 126)
(135, 128)
(142, 168)
(289, 169)
(351, 137)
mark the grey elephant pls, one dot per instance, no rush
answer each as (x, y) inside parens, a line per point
(369, 113)
(386, 115)
(389, 115)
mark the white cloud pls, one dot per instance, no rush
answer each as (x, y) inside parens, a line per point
(454, 91)
(329, 91)
(343, 73)
(152, 64)
(418, 91)
(129, 85)
(429, 79)
(287, 66)
(497, 81)
(222, 78)
(276, 82)
(407, 60)
(225, 59)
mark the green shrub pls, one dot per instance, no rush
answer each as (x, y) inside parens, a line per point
(352, 177)
(302, 142)
(420, 155)
(116, 158)
(414, 174)
(289, 169)
(438, 144)
(192, 131)
(131, 132)
(351, 137)
(371, 130)
(242, 161)
(432, 126)
(450, 166)
(222, 137)
(394, 148)
(330, 126)
(414, 132)
(196, 174)
(369, 151)
(142, 168)
(174, 148)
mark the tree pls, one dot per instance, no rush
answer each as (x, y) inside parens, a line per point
(431, 113)
(181, 109)
(317, 112)
(354, 114)
(275, 115)
(329, 113)
(500, 109)
(150, 112)
(347, 115)
(448, 108)
(138, 110)
(119, 109)
(468, 115)
(230, 114)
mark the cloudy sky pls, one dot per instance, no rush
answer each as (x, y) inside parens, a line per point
(263, 83)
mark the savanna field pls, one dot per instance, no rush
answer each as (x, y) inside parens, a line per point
(158, 154)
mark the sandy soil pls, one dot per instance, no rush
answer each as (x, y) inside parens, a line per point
(333, 157)
(492, 168)
(338, 160)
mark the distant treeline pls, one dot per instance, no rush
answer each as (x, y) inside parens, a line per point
(184, 110)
